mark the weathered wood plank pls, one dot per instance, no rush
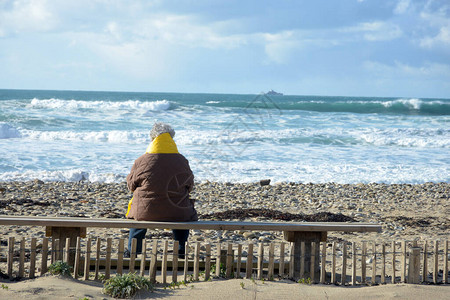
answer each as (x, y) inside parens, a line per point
(436, 262)
(239, 261)
(108, 258)
(143, 257)
(120, 252)
(249, 264)
(76, 266)
(363, 262)
(97, 258)
(260, 261)
(271, 267)
(164, 262)
(197, 261)
(133, 254)
(344, 263)
(425, 262)
(393, 261)
(207, 261)
(333, 263)
(281, 266)
(153, 262)
(44, 255)
(87, 259)
(353, 263)
(22, 257)
(176, 244)
(11, 241)
(212, 225)
(32, 257)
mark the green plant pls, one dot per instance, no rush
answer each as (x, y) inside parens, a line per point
(60, 268)
(305, 281)
(242, 285)
(85, 298)
(4, 286)
(223, 271)
(126, 285)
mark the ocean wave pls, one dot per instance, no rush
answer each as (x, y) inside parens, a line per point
(158, 105)
(411, 106)
(405, 137)
(8, 132)
(63, 175)
(114, 136)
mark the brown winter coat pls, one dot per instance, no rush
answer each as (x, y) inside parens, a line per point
(161, 183)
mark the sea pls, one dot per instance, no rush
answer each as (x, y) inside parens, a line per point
(96, 136)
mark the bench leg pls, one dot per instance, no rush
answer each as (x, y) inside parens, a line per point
(61, 234)
(308, 238)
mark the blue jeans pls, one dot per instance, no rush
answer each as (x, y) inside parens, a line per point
(180, 235)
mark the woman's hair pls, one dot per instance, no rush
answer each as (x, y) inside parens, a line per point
(160, 128)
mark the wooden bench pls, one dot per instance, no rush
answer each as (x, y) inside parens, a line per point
(304, 236)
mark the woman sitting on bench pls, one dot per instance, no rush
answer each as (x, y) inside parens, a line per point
(161, 180)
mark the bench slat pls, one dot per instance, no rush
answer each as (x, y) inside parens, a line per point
(212, 225)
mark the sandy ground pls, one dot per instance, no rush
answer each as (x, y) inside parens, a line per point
(51, 287)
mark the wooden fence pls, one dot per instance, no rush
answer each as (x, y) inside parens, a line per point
(341, 263)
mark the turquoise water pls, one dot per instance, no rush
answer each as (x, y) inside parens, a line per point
(70, 135)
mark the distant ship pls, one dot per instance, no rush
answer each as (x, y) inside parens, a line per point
(273, 93)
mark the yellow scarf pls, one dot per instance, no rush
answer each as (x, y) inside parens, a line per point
(162, 144)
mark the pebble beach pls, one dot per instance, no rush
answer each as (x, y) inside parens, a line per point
(406, 211)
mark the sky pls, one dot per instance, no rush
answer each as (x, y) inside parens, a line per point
(389, 48)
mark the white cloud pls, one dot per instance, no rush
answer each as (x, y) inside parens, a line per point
(439, 20)
(375, 31)
(402, 6)
(428, 70)
(442, 38)
(27, 16)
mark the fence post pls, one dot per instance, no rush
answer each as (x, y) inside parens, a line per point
(175, 261)
(281, 265)
(414, 265)
(425, 262)
(76, 266)
(271, 261)
(208, 261)
(249, 264)
(87, 259)
(393, 261)
(22, 257)
(239, 261)
(353, 263)
(323, 274)
(33, 257)
(260, 260)
(163, 264)
(119, 255)
(197, 261)
(436, 262)
(363, 262)
(333, 263)
(44, 256)
(344, 263)
(446, 263)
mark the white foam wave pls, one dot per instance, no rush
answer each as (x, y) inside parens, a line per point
(64, 175)
(411, 103)
(433, 138)
(212, 102)
(159, 105)
(8, 132)
(114, 136)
